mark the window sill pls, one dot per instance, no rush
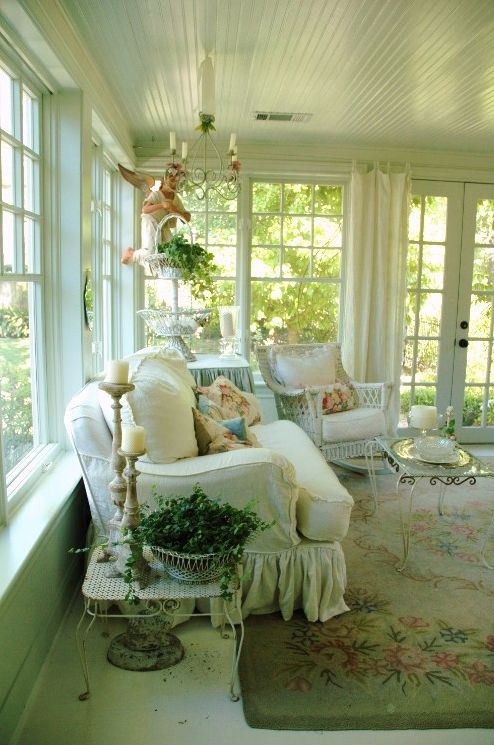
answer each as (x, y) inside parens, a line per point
(32, 520)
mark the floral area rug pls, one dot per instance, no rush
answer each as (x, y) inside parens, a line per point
(416, 649)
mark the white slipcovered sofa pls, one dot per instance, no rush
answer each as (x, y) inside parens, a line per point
(298, 562)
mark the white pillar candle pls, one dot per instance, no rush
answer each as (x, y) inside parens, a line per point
(117, 371)
(133, 439)
(226, 324)
(185, 150)
(173, 141)
(423, 417)
(233, 140)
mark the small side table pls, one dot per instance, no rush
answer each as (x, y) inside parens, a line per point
(401, 455)
(207, 367)
(162, 595)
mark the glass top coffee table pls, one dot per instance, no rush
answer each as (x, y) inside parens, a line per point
(401, 455)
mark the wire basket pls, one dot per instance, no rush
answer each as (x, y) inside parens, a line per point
(191, 567)
(160, 267)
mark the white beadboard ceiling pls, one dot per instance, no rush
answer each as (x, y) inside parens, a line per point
(414, 74)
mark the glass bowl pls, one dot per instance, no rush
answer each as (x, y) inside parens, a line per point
(435, 448)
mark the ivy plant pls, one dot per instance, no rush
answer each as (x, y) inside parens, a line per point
(196, 524)
(194, 261)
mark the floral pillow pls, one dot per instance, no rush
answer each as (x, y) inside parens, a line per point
(339, 397)
(215, 436)
(232, 401)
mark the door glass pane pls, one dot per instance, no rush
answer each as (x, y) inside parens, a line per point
(433, 267)
(435, 213)
(484, 223)
(479, 363)
(483, 268)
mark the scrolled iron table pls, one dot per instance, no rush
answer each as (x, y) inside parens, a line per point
(401, 456)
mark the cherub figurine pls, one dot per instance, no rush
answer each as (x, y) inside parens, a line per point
(157, 204)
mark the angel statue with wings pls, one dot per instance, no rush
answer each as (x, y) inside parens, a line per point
(157, 204)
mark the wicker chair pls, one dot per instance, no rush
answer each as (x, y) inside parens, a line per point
(340, 436)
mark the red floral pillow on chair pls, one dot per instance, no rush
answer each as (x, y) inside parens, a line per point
(339, 397)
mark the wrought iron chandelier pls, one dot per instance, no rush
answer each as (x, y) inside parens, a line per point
(203, 169)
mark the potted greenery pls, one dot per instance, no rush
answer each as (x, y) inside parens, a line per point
(194, 264)
(198, 539)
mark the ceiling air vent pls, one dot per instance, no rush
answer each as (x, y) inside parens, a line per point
(279, 116)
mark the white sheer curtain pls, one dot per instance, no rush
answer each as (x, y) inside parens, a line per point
(372, 333)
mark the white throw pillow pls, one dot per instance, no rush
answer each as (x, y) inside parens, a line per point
(162, 403)
(312, 369)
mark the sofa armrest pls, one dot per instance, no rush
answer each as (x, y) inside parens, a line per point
(258, 475)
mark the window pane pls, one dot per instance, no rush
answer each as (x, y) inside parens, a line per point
(265, 262)
(328, 200)
(27, 120)
(29, 184)
(328, 232)
(296, 262)
(266, 197)
(297, 231)
(266, 230)
(414, 218)
(326, 263)
(412, 265)
(6, 113)
(31, 254)
(8, 235)
(222, 229)
(298, 198)
(15, 373)
(226, 258)
(7, 155)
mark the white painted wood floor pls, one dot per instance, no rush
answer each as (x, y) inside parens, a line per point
(184, 705)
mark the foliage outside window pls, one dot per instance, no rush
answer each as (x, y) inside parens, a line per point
(20, 270)
(296, 262)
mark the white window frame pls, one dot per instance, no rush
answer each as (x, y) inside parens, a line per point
(15, 485)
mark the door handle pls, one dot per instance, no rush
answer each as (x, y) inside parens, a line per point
(464, 325)
(463, 343)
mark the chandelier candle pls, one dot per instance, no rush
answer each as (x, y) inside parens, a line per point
(117, 371)
(133, 439)
(233, 140)
(173, 142)
(185, 151)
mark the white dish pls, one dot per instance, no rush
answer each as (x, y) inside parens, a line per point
(446, 458)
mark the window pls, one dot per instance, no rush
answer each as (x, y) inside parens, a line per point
(21, 286)
(99, 288)
(296, 262)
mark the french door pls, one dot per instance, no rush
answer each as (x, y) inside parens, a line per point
(449, 339)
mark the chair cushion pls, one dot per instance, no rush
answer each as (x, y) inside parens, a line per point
(356, 424)
(312, 368)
